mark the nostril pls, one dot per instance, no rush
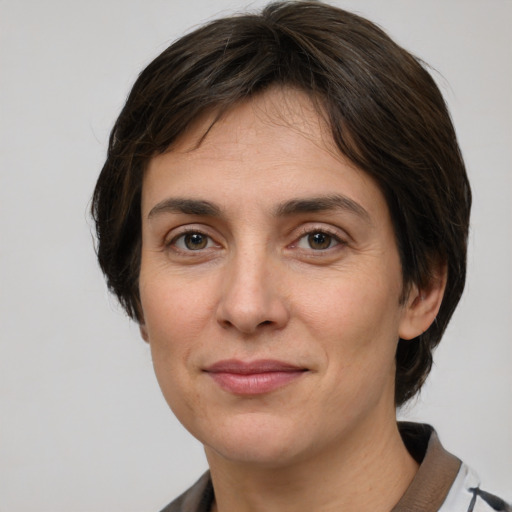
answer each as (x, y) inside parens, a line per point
(226, 324)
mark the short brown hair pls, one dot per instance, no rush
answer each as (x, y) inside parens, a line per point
(385, 112)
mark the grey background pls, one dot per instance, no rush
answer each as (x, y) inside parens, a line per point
(82, 424)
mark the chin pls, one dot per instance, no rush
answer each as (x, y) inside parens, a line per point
(265, 455)
(255, 440)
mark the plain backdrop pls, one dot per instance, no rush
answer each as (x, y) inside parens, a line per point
(83, 427)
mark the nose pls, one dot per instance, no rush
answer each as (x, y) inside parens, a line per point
(251, 296)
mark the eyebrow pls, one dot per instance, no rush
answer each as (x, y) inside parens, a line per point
(186, 206)
(335, 202)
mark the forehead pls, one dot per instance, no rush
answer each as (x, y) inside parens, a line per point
(276, 111)
(269, 148)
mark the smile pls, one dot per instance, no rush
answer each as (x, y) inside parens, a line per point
(253, 378)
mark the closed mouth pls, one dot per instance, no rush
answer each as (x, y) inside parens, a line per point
(254, 377)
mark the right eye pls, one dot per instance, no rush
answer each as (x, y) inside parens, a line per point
(192, 241)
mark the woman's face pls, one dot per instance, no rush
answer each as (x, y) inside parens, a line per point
(270, 284)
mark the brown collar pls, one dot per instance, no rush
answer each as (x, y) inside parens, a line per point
(436, 474)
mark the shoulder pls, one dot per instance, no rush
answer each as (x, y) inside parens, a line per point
(466, 495)
(197, 498)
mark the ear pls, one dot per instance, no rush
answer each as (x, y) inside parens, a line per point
(422, 305)
(144, 332)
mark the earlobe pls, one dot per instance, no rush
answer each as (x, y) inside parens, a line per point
(422, 306)
(144, 332)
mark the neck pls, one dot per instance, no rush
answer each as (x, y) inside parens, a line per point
(369, 469)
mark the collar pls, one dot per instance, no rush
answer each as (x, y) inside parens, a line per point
(436, 474)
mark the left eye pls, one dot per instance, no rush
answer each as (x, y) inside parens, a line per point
(193, 241)
(318, 241)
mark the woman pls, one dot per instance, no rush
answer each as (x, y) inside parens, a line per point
(284, 211)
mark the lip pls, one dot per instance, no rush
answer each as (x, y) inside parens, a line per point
(253, 377)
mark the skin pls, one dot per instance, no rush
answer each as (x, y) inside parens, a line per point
(253, 283)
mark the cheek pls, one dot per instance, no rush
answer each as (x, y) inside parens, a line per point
(175, 315)
(172, 334)
(355, 319)
(174, 308)
(362, 308)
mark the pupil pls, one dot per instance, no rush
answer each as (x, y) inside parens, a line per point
(319, 241)
(195, 241)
